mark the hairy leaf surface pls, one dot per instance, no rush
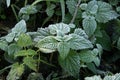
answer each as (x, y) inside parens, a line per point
(19, 28)
(71, 64)
(77, 42)
(28, 52)
(24, 40)
(31, 63)
(15, 72)
(3, 45)
(48, 43)
(59, 27)
(63, 49)
(89, 25)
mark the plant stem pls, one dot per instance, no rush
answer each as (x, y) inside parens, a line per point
(2, 70)
(37, 1)
(25, 2)
(16, 7)
(75, 13)
(47, 63)
(62, 2)
(13, 9)
(38, 62)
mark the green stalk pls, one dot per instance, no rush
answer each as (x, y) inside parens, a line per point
(26, 1)
(47, 63)
(38, 62)
(37, 1)
(13, 9)
(76, 10)
(16, 7)
(2, 70)
(62, 2)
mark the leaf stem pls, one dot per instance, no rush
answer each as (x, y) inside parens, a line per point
(75, 13)
(47, 63)
(2, 70)
(62, 2)
(25, 2)
(38, 62)
(37, 1)
(13, 9)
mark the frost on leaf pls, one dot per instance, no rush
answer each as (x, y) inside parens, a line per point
(59, 28)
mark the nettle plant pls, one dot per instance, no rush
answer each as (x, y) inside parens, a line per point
(96, 12)
(76, 46)
(107, 77)
(94, 15)
(18, 44)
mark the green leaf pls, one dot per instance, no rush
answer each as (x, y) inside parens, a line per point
(102, 11)
(106, 16)
(35, 76)
(107, 77)
(100, 49)
(90, 56)
(40, 34)
(28, 10)
(68, 18)
(89, 25)
(44, 31)
(114, 2)
(63, 49)
(114, 77)
(87, 56)
(77, 42)
(19, 28)
(103, 6)
(50, 10)
(71, 25)
(118, 9)
(80, 32)
(83, 6)
(104, 41)
(92, 67)
(3, 45)
(10, 37)
(86, 15)
(25, 17)
(71, 63)
(93, 78)
(8, 2)
(13, 48)
(71, 5)
(9, 58)
(46, 50)
(15, 72)
(31, 63)
(92, 7)
(98, 32)
(28, 52)
(24, 40)
(105, 12)
(65, 38)
(118, 43)
(47, 44)
(97, 61)
(59, 27)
